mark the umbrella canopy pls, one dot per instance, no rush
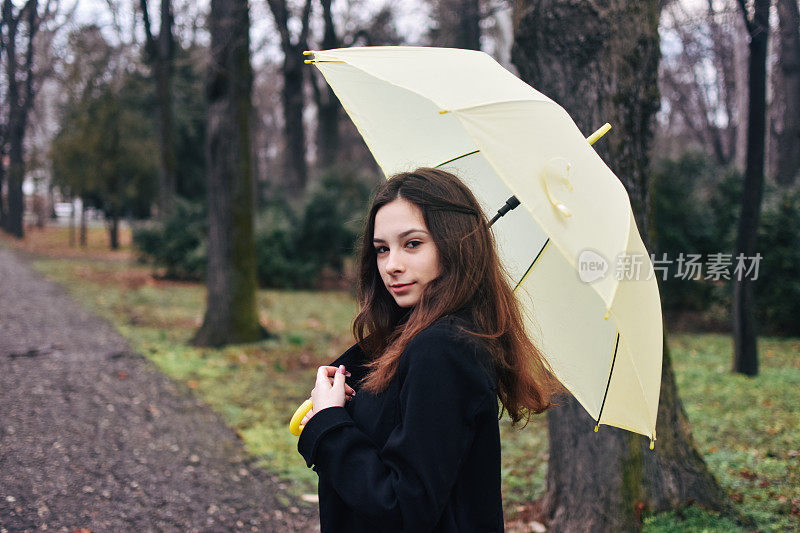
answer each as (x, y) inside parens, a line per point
(461, 111)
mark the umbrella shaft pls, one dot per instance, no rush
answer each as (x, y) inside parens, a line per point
(511, 203)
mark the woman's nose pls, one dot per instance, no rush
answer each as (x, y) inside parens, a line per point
(393, 262)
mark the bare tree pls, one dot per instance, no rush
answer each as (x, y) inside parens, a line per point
(20, 27)
(160, 54)
(375, 29)
(745, 358)
(599, 60)
(786, 90)
(231, 314)
(292, 94)
(328, 107)
(700, 83)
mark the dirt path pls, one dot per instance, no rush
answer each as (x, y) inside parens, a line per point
(93, 437)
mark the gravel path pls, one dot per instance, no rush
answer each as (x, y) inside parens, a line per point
(93, 437)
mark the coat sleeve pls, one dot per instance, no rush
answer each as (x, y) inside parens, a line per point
(406, 484)
(353, 360)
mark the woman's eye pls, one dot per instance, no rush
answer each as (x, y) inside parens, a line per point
(380, 249)
(413, 244)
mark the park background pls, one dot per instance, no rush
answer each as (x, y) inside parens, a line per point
(107, 188)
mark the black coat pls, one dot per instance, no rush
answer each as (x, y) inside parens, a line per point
(424, 455)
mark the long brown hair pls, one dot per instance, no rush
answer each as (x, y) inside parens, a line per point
(471, 276)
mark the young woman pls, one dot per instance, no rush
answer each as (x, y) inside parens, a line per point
(412, 443)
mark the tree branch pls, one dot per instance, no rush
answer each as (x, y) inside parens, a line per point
(167, 49)
(747, 22)
(304, 19)
(33, 26)
(151, 42)
(279, 12)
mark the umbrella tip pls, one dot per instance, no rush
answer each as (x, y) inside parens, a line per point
(652, 443)
(599, 133)
(597, 427)
(308, 52)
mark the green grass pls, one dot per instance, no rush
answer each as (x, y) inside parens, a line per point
(748, 429)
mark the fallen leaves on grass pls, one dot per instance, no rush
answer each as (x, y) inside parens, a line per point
(747, 474)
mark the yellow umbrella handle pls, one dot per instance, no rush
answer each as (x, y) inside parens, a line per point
(294, 424)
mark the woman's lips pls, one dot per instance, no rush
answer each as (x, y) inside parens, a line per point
(400, 287)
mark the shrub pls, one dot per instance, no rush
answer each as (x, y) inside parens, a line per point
(277, 262)
(695, 209)
(177, 244)
(778, 283)
(693, 212)
(291, 250)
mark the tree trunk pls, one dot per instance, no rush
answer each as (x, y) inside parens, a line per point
(113, 231)
(231, 314)
(84, 224)
(328, 138)
(741, 57)
(72, 223)
(19, 81)
(166, 161)
(745, 358)
(470, 25)
(458, 24)
(599, 61)
(787, 91)
(2, 178)
(16, 175)
(296, 168)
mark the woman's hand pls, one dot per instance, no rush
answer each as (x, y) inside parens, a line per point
(330, 390)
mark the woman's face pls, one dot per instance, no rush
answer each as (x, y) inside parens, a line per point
(407, 256)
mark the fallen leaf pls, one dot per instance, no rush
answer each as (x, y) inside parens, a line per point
(747, 474)
(536, 527)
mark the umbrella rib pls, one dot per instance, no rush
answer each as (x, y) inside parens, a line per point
(532, 263)
(457, 157)
(610, 372)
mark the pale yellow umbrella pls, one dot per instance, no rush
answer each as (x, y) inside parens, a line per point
(599, 327)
